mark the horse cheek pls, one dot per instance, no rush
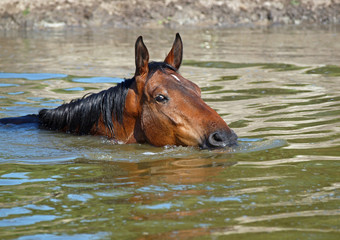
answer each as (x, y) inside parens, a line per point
(156, 131)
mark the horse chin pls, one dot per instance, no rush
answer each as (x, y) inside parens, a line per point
(207, 146)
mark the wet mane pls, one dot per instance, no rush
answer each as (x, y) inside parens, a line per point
(80, 115)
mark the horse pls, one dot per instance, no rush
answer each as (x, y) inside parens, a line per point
(157, 106)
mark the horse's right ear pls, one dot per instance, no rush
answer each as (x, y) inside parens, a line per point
(141, 57)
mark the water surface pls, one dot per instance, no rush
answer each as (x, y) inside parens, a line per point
(277, 88)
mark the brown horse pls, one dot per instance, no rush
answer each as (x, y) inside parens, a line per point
(157, 106)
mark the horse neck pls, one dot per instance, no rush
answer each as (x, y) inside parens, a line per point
(129, 129)
(98, 114)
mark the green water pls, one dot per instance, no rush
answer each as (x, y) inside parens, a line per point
(277, 88)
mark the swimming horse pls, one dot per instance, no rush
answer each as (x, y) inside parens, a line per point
(157, 106)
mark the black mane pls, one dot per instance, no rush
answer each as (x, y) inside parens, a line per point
(80, 115)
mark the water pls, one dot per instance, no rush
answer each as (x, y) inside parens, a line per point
(277, 88)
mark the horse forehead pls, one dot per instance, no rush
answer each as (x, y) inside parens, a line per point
(177, 81)
(185, 83)
(175, 77)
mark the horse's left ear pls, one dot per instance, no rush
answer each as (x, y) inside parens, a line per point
(175, 55)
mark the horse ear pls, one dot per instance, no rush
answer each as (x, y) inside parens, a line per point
(175, 55)
(141, 57)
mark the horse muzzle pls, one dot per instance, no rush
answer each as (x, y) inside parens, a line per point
(220, 139)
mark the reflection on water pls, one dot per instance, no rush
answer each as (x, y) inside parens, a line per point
(277, 88)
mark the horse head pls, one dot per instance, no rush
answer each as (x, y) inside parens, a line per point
(169, 107)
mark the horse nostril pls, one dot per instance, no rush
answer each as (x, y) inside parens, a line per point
(221, 139)
(218, 139)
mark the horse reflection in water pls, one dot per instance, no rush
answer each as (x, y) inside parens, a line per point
(157, 106)
(172, 171)
(163, 181)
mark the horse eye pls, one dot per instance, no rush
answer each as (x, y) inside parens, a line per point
(161, 98)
